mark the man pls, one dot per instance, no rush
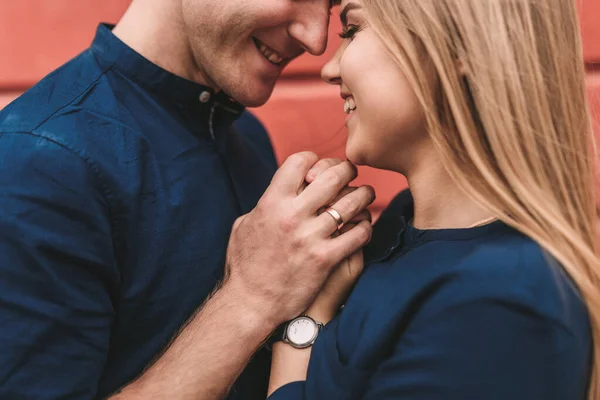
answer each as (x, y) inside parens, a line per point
(121, 176)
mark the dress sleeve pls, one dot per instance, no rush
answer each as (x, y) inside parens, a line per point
(58, 274)
(290, 391)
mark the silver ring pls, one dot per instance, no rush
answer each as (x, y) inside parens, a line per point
(336, 217)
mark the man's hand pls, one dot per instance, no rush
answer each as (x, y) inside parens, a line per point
(281, 253)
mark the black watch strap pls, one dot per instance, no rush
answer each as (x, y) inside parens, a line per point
(276, 336)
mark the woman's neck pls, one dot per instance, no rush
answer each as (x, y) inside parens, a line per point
(438, 202)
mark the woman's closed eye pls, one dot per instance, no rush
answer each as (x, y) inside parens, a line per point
(349, 32)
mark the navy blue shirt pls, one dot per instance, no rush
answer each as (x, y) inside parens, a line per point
(119, 185)
(457, 314)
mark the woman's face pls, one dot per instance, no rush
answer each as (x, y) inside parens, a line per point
(385, 121)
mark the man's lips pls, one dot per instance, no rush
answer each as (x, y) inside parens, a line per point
(271, 55)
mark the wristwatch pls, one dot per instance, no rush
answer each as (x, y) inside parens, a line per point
(301, 332)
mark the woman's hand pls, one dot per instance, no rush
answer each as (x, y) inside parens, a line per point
(337, 287)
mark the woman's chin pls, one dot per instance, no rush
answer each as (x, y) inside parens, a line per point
(356, 156)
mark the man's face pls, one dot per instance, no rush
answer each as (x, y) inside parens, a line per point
(241, 46)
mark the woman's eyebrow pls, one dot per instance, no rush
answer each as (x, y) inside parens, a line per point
(344, 13)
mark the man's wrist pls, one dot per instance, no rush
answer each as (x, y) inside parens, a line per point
(255, 316)
(226, 322)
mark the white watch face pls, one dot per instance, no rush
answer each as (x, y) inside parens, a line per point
(301, 331)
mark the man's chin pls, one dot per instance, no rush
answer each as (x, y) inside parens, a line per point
(254, 98)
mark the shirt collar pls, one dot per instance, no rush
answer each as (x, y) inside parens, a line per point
(392, 231)
(389, 229)
(111, 52)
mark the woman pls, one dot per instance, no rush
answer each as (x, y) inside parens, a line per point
(483, 281)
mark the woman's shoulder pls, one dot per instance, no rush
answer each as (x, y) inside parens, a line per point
(495, 255)
(411, 273)
(488, 265)
(509, 276)
(502, 265)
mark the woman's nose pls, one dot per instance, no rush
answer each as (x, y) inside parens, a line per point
(330, 72)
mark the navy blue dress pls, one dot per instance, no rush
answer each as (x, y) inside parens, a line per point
(467, 314)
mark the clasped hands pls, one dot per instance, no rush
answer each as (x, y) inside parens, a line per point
(285, 256)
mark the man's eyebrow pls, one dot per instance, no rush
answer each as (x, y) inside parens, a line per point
(344, 13)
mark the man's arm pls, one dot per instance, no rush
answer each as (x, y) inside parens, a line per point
(208, 355)
(58, 274)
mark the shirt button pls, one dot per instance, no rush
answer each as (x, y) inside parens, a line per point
(204, 97)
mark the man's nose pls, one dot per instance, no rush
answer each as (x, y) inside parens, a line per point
(311, 25)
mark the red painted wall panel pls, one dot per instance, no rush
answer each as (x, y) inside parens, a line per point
(36, 36)
(590, 29)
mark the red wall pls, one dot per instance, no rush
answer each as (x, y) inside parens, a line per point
(37, 36)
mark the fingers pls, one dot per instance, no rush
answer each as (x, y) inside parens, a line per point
(320, 167)
(346, 273)
(364, 215)
(303, 186)
(355, 265)
(349, 207)
(337, 287)
(289, 178)
(326, 186)
(351, 241)
(344, 192)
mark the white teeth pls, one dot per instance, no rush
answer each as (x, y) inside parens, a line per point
(275, 59)
(269, 54)
(349, 105)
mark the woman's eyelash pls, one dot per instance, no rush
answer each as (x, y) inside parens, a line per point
(348, 33)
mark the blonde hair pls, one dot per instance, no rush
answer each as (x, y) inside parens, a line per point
(508, 111)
